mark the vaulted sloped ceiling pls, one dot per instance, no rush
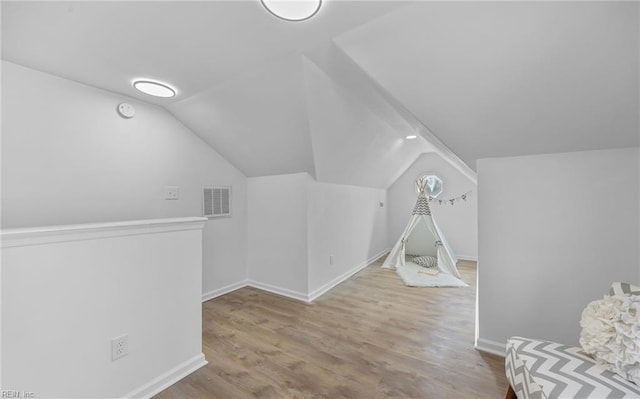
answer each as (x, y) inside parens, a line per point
(258, 121)
(290, 116)
(350, 142)
(510, 78)
(334, 96)
(193, 45)
(361, 87)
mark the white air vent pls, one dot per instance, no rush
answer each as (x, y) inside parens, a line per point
(216, 201)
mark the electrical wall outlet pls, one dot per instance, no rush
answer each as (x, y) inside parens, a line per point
(172, 192)
(119, 347)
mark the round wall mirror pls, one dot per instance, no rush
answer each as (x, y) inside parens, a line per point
(432, 184)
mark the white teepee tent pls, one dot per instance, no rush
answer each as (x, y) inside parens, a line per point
(423, 237)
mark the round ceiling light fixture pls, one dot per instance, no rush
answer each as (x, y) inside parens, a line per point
(292, 10)
(154, 88)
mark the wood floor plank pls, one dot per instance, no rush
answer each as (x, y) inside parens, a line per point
(370, 337)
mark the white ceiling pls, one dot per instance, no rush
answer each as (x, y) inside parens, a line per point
(351, 143)
(193, 45)
(481, 79)
(510, 78)
(258, 122)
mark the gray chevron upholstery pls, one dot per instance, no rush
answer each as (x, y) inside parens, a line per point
(547, 370)
(422, 206)
(519, 377)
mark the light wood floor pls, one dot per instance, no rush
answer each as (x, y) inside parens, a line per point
(370, 337)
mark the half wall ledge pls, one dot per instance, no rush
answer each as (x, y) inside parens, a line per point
(69, 292)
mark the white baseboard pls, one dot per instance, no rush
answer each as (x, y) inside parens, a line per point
(169, 378)
(467, 257)
(331, 284)
(493, 347)
(255, 284)
(300, 296)
(278, 290)
(224, 290)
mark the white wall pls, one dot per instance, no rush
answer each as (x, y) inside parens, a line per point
(345, 222)
(66, 293)
(277, 217)
(68, 157)
(296, 223)
(554, 232)
(458, 222)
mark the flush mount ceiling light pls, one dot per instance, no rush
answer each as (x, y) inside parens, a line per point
(292, 10)
(153, 88)
(411, 137)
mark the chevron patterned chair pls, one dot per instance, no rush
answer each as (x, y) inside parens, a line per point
(539, 369)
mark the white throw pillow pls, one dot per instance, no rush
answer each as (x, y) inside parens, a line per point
(611, 334)
(425, 261)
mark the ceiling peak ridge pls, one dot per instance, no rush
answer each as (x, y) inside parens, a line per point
(423, 130)
(334, 62)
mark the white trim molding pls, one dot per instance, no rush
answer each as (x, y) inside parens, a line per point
(493, 347)
(207, 296)
(310, 297)
(467, 257)
(90, 231)
(333, 283)
(167, 379)
(278, 290)
(297, 295)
